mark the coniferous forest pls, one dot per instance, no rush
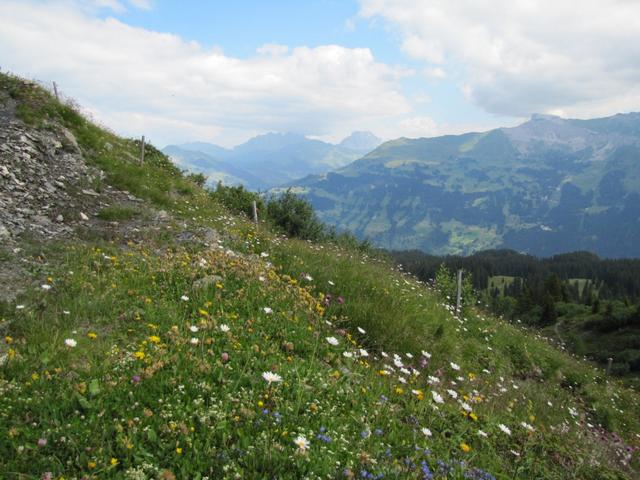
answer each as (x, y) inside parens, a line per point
(588, 304)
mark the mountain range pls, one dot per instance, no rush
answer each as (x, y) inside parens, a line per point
(270, 160)
(547, 186)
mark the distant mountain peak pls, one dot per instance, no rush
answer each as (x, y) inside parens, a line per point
(545, 116)
(361, 141)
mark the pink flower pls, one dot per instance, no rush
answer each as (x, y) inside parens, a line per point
(224, 357)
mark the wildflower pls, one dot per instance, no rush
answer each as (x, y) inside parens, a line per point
(472, 416)
(340, 300)
(332, 341)
(465, 448)
(139, 355)
(224, 357)
(8, 340)
(271, 377)
(91, 465)
(302, 443)
(184, 298)
(70, 342)
(179, 450)
(224, 328)
(426, 355)
(409, 356)
(426, 432)
(347, 354)
(453, 393)
(437, 397)
(92, 335)
(482, 434)
(19, 307)
(193, 329)
(46, 287)
(527, 426)
(194, 341)
(154, 339)
(455, 366)
(361, 330)
(363, 353)
(432, 380)
(267, 310)
(114, 461)
(135, 379)
(42, 442)
(504, 428)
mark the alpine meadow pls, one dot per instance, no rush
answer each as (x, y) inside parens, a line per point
(355, 239)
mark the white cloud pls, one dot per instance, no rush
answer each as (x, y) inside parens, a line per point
(524, 56)
(144, 82)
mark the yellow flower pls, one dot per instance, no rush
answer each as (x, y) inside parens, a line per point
(91, 465)
(473, 417)
(202, 312)
(465, 448)
(148, 301)
(35, 376)
(219, 286)
(399, 390)
(114, 461)
(179, 450)
(154, 339)
(139, 355)
(8, 339)
(92, 335)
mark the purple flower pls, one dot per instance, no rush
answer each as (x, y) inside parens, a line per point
(136, 379)
(42, 442)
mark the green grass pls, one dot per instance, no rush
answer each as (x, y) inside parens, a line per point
(145, 395)
(116, 212)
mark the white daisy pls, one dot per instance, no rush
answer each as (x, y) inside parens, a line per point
(426, 432)
(504, 428)
(302, 443)
(437, 397)
(332, 341)
(70, 342)
(224, 327)
(271, 377)
(194, 329)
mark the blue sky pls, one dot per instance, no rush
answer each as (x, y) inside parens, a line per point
(223, 71)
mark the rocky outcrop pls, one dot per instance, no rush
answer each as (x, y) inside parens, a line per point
(46, 187)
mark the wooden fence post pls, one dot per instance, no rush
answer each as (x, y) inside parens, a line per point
(609, 364)
(459, 296)
(255, 212)
(142, 150)
(55, 91)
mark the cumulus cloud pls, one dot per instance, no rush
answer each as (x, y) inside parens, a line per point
(524, 56)
(170, 89)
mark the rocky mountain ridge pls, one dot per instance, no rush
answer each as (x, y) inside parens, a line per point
(548, 186)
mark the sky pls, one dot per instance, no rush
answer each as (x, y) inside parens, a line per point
(224, 71)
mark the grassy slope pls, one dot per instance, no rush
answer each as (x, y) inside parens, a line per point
(143, 399)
